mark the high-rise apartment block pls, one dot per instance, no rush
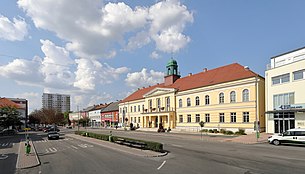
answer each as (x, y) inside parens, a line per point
(60, 102)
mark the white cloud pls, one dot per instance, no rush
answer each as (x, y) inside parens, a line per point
(154, 55)
(23, 71)
(91, 28)
(91, 72)
(144, 78)
(15, 30)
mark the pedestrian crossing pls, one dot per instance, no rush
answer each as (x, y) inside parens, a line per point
(6, 144)
(46, 140)
(74, 147)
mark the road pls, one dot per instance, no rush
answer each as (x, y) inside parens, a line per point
(9, 146)
(188, 154)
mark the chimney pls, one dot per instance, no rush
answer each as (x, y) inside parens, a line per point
(190, 74)
(205, 69)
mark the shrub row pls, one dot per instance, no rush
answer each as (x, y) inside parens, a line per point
(226, 132)
(150, 145)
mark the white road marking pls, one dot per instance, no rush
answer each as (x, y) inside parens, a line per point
(74, 147)
(3, 157)
(47, 151)
(53, 149)
(176, 145)
(161, 165)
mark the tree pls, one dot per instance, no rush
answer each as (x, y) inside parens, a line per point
(47, 116)
(9, 116)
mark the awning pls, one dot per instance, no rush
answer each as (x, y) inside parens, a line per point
(286, 110)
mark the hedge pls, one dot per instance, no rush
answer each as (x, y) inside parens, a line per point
(150, 145)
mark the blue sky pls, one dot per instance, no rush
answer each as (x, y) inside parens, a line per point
(100, 51)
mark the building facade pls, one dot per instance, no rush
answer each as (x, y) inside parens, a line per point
(110, 115)
(59, 102)
(229, 97)
(95, 115)
(285, 96)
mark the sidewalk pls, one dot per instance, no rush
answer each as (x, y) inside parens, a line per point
(117, 147)
(27, 161)
(249, 139)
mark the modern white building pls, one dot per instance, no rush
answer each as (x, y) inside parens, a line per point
(285, 93)
(60, 102)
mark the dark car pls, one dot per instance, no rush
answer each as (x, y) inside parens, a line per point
(53, 129)
(8, 132)
(53, 135)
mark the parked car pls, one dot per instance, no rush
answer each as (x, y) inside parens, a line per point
(53, 135)
(294, 136)
(69, 127)
(8, 132)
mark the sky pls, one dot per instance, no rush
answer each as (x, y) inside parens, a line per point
(101, 51)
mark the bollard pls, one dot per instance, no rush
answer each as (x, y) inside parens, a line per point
(27, 148)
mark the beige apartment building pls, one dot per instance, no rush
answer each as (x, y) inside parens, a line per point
(229, 97)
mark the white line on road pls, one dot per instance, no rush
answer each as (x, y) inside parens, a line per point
(161, 165)
(53, 149)
(74, 147)
(3, 157)
(176, 145)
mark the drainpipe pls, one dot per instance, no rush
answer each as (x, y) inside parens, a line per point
(256, 107)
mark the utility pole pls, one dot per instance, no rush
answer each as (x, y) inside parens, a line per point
(78, 118)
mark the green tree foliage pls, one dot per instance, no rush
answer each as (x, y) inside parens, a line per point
(9, 116)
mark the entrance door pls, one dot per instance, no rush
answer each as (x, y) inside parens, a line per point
(156, 122)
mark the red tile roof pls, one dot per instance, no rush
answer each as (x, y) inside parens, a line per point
(215, 76)
(4, 102)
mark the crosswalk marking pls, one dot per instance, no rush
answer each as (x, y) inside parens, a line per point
(45, 140)
(7, 144)
(51, 149)
(74, 147)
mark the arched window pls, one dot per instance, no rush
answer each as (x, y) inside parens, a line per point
(180, 103)
(221, 98)
(232, 97)
(197, 101)
(207, 100)
(188, 102)
(245, 95)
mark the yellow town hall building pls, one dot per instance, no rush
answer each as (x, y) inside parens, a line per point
(229, 97)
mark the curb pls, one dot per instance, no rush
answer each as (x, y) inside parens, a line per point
(19, 154)
(160, 155)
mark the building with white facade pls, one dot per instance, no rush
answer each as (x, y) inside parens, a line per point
(60, 102)
(285, 96)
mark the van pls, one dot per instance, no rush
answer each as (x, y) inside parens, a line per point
(294, 136)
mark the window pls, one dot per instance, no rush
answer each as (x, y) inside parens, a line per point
(167, 103)
(297, 75)
(232, 97)
(197, 118)
(207, 118)
(246, 117)
(180, 103)
(207, 100)
(233, 117)
(280, 79)
(142, 108)
(158, 103)
(130, 108)
(150, 103)
(135, 108)
(180, 118)
(299, 133)
(139, 119)
(245, 95)
(188, 102)
(221, 117)
(120, 110)
(221, 98)
(283, 99)
(131, 119)
(197, 101)
(189, 118)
